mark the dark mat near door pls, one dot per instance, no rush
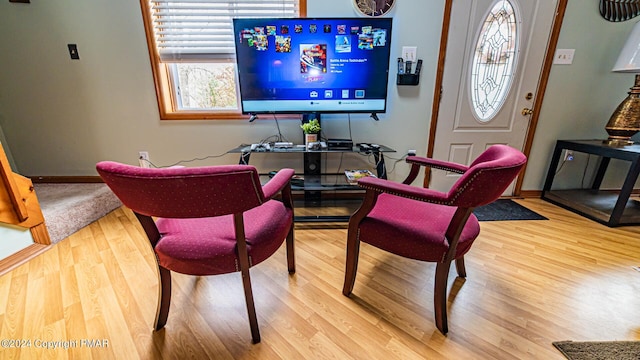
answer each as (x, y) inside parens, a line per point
(505, 209)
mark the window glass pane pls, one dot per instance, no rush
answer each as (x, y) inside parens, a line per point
(204, 86)
(202, 29)
(191, 50)
(494, 60)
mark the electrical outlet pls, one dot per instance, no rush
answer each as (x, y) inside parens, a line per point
(143, 159)
(411, 152)
(568, 155)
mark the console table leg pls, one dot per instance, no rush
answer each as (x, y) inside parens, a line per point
(551, 173)
(381, 169)
(312, 177)
(625, 192)
(244, 158)
(602, 169)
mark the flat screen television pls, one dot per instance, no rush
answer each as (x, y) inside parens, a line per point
(307, 65)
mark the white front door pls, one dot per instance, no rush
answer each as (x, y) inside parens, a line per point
(494, 58)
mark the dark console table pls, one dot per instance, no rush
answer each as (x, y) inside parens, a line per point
(313, 186)
(612, 208)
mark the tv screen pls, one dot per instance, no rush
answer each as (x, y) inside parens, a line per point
(322, 65)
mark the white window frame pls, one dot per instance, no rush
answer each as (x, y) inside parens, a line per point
(213, 51)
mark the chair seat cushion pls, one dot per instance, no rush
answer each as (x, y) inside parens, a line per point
(207, 246)
(414, 229)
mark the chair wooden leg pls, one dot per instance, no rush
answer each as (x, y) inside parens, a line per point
(462, 272)
(251, 307)
(440, 296)
(291, 259)
(164, 298)
(243, 259)
(353, 250)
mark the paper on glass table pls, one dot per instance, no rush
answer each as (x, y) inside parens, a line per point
(354, 175)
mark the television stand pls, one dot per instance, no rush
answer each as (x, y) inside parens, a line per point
(313, 187)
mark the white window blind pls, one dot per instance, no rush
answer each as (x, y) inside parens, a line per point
(193, 30)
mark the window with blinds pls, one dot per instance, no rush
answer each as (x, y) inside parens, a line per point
(191, 44)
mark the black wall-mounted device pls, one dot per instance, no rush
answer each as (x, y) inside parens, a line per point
(405, 77)
(73, 51)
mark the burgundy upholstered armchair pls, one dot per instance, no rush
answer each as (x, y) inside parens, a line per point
(429, 225)
(208, 221)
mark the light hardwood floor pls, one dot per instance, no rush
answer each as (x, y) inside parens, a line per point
(529, 283)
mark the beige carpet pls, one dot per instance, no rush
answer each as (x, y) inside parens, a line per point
(599, 350)
(68, 208)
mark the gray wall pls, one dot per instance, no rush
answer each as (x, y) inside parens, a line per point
(581, 97)
(59, 117)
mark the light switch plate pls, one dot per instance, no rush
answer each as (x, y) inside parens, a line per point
(564, 56)
(73, 51)
(409, 53)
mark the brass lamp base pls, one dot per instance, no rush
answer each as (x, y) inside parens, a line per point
(625, 121)
(618, 142)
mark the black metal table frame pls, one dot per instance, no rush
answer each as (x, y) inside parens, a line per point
(607, 152)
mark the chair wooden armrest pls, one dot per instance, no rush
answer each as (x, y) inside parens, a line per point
(277, 183)
(419, 161)
(437, 164)
(404, 190)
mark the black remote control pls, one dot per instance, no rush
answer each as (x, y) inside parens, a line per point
(418, 67)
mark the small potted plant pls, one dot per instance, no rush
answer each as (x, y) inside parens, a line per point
(311, 130)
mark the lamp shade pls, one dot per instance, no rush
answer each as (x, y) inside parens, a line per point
(629, 59)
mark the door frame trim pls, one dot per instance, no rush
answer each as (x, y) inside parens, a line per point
(542, 87)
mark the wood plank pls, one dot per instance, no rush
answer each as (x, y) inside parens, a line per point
(14, 260)
(529, 283)
(10, 186)
(19, 206)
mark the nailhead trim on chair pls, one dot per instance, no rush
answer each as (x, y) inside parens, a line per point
(446, 169)
(258, 192)
(453, 199)
(461, 189)
(473, 178)
(425, 200)
(235, 261)
(403, 195)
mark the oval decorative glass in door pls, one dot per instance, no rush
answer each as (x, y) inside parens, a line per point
(494, 60)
